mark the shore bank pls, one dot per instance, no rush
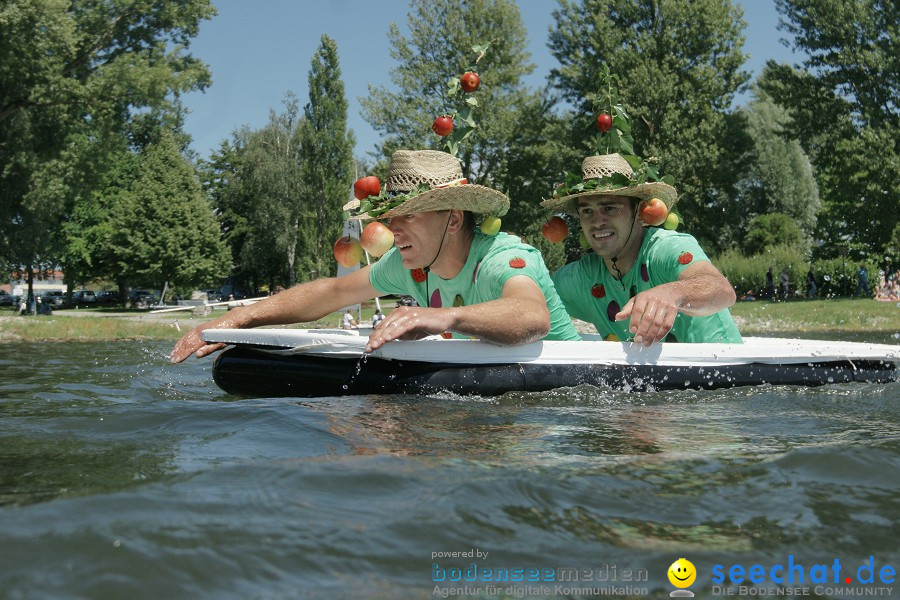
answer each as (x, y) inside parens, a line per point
(813, 317)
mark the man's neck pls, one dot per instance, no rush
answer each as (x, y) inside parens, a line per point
(454, 255)
(627, 256)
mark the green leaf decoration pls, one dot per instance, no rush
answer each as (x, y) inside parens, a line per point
(634, 161)
(466, 115)
(472, 101)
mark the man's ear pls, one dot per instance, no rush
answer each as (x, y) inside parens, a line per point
(457, 218)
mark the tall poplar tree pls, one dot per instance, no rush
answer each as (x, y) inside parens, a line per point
(327, 163)
(679, 65)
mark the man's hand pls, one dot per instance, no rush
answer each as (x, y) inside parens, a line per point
(652, 314)
(410, 323)
(192, 343)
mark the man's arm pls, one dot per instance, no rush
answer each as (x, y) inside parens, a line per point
(519, 316)
(301, 303)
(699, 291)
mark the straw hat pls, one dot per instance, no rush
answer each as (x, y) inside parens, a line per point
(428, 180)
(603, 175)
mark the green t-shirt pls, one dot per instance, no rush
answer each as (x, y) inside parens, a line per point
(492, 260)
(591, 293)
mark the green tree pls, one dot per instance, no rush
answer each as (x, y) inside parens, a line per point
(680, 66)
(222, 179)
(327, 165)
(770, 230)
(843, 107)
(509, 149)
(271, 182)
(75, 71)
(150, 224)
(779, 176)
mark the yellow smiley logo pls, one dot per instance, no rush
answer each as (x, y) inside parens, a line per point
(682, 573)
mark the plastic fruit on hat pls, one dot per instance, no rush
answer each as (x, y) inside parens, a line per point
(555, 230)
(376, 239)
(490, 225)
(470, 81)
(442, 126)
(348, 252)
(654, 212)
(604, 122)
(671, 221)
(366, 186)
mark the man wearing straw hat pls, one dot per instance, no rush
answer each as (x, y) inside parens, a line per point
(491, 287)
(640, 283)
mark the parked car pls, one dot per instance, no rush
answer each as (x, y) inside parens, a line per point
(84, 297)
(108, 297)
(6, 299)
(54, 299)
(140, 297)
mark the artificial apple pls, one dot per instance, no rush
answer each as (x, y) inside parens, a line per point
(376, 239)
(442, 126)
(490, 225)
(366, 186)
(653, 212)
(469, 82)
(604, 122)
(555, 230)
(348, 252)
(671, 221)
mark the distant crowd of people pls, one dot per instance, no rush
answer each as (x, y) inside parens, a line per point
(888, 288)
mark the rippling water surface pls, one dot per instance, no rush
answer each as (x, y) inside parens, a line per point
(122, 476)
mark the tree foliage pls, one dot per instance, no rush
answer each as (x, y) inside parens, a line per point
(779, 177)
(72, 75)
(680, 66)
(843, 110)
(327, 165)
(149, 223)
(509, 150)
(773, 229)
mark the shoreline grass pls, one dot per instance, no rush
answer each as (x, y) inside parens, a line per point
(816, 318)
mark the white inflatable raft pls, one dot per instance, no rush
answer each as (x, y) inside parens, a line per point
(328, 362)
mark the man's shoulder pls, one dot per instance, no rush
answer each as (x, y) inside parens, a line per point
(658, 235)
(589, 262)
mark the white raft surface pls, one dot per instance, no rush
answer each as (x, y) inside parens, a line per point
(429, 363)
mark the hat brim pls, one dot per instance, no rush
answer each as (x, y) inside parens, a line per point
(470, 197)
(642, 191)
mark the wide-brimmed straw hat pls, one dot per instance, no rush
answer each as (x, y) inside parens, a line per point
(605, 175)
(429, 180)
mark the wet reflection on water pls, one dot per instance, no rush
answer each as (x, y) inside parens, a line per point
(121, 475)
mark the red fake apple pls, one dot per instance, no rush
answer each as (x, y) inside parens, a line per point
(469, 82)
(348, 252)
(555, 230)
(653, 212)
(442, 126)
(376, 239)
(604, 122)
(366, 186)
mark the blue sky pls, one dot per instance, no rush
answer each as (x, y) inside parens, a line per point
(258, 50)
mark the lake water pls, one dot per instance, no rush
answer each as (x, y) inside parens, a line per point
(122, 476)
